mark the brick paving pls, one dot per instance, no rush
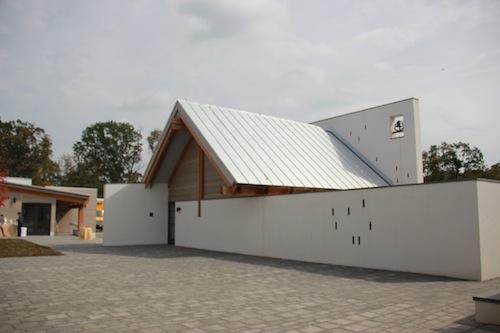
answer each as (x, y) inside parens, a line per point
(169, 289)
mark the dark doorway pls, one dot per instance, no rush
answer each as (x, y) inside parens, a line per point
(36, 217)
(171, 223)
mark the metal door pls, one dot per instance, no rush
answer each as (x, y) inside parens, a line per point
(171, 223)
(36, 217)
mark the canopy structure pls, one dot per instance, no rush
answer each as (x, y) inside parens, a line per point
(259, 150)
(75, 199)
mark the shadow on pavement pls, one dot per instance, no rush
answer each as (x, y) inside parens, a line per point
(468, 324)
(169, 251)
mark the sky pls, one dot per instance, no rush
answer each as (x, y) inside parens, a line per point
(67, 64)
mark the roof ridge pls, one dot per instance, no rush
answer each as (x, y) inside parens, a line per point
(245, 112)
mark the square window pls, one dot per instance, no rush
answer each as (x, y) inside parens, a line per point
(397, 128)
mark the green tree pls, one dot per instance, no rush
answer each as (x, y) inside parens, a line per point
(452, 161)
(70, 175)
(492, 172)
(108, 152)
(25, 151)
(153, 138)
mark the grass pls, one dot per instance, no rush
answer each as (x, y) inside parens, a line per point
(21, 248)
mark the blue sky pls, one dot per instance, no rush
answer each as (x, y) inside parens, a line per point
(67, 64)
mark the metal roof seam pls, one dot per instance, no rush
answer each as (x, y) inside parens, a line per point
(329, 161)
(288, 154)
(298, 157)
(285, 158)
(264, 142)
(341, 153)
(347, 179)
(265, 150)
(237, 138)
(315, 149)
(238, 148)
(308, 153)
(192, 115)
(245, 130)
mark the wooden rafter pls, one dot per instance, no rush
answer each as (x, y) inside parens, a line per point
(201, 178)
(80, 218)
(176, 125)
(162, 150)
(209, 156)
(181, 158)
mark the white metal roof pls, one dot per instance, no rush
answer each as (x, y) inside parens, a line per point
(262, 150)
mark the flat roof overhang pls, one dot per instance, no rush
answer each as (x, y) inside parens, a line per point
(66, 197)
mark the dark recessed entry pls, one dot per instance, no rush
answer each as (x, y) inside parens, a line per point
(36, 217)
(150, 214)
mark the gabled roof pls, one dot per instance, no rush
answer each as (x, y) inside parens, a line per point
(256, 149)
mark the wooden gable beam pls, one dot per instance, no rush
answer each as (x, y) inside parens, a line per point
(210, 158)
(181, 158)
(201, 178)
(178, 124)
(162, 149)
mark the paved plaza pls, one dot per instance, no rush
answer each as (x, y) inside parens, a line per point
(170, 289)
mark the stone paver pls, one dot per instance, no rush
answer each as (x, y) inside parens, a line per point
(170, 289)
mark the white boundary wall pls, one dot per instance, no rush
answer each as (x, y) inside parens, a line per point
(489, 228)
(128, 207)
(431, 229)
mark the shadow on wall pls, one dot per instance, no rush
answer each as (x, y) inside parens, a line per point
(173, 252)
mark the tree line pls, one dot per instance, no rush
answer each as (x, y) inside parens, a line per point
(107, 152)
(110, 152)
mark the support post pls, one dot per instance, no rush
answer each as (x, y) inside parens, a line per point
(201, 178)
(80, 218)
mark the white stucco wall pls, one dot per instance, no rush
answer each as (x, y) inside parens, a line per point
(128, 220)
(489, 228)
(367, 132)
(430, 229)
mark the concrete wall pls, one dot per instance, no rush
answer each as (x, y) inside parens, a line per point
(69, 221)
(367, 132)
(11, 208)
(430, 229)
(128, 209)
(489, 228)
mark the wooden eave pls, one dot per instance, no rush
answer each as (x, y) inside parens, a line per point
(71, 198)
(261, 190)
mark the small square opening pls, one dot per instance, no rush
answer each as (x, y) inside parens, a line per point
(397, 128)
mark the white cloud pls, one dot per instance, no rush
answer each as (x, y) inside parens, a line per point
(65, 64)
(223, 18)
(161, 100)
